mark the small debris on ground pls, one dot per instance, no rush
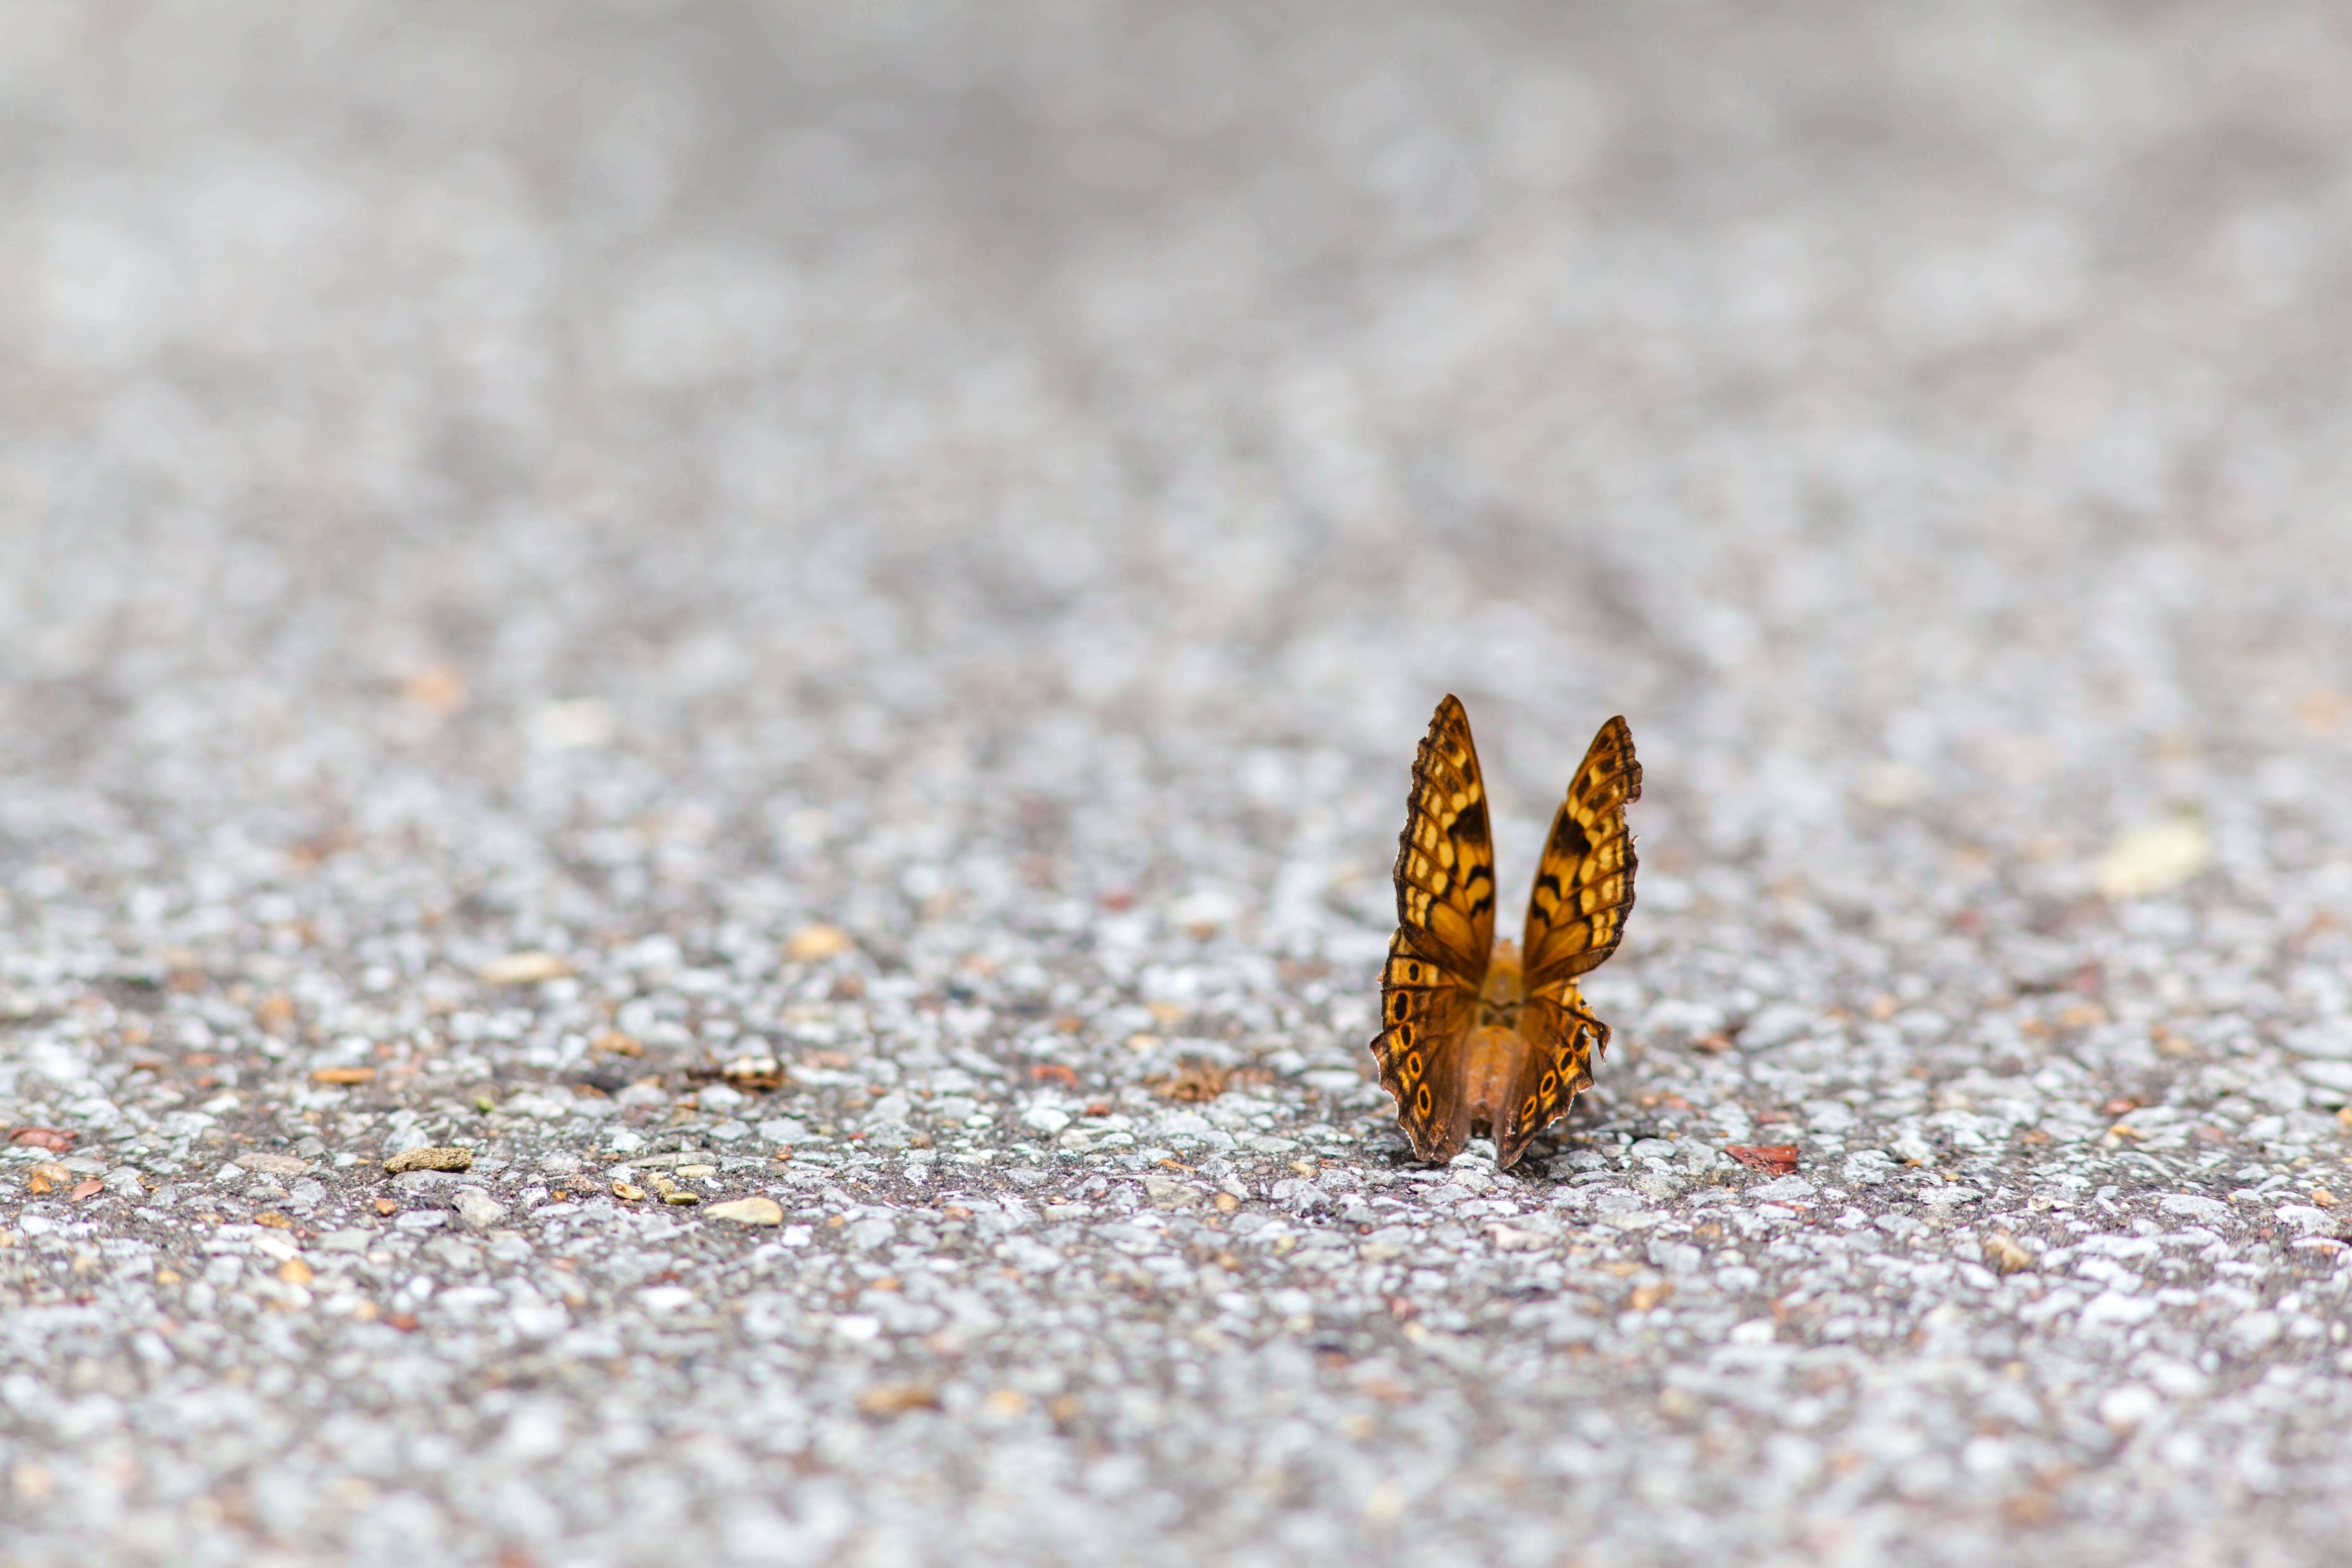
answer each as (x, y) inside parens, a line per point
(430, 1159)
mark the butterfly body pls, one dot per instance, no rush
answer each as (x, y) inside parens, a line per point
(1486, 1036)
(1504, 994)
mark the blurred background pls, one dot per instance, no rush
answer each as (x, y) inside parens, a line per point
(1011, 481)
(904, 435)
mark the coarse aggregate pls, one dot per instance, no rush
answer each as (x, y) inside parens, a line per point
(778, 648)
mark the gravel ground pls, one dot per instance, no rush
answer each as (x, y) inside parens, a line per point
(559, 564)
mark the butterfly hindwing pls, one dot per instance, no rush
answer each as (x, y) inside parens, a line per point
(1561, 1039)
(1425, 1016)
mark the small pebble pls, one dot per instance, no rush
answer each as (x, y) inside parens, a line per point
(524, 969)
(430, 1159)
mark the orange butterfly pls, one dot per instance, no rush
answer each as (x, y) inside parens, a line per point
(1481, 1038)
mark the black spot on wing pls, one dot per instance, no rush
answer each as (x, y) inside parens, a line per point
(1569, 839)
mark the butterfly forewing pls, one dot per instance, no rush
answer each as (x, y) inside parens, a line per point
(1445, 932)
(1584, 884)
(1445, 860)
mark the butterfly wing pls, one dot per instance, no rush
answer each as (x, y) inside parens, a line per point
(1445, 860)
(1584, 886)
(1576, 916)
(1561, 1039)
(1445, 934)
(1426, 1013)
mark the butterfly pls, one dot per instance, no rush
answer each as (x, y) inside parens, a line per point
(1479, 1037)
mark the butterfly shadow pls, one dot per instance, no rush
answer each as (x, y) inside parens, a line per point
(1550, 1154)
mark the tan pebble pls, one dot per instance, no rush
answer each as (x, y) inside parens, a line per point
(612, 1042)
(815, 941)
(294, 1271)
(897, 1399)
(628, 1194)
(343, 1075)
(2006, 1256)
(698, 1170)
(1647, 1297)
(2323, 711)
(274, 1165)
(431, 1160)
(524, 969)
(747, 1211)
(438, 690)
(680, 1196)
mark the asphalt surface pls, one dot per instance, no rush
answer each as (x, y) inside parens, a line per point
(825, 612)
